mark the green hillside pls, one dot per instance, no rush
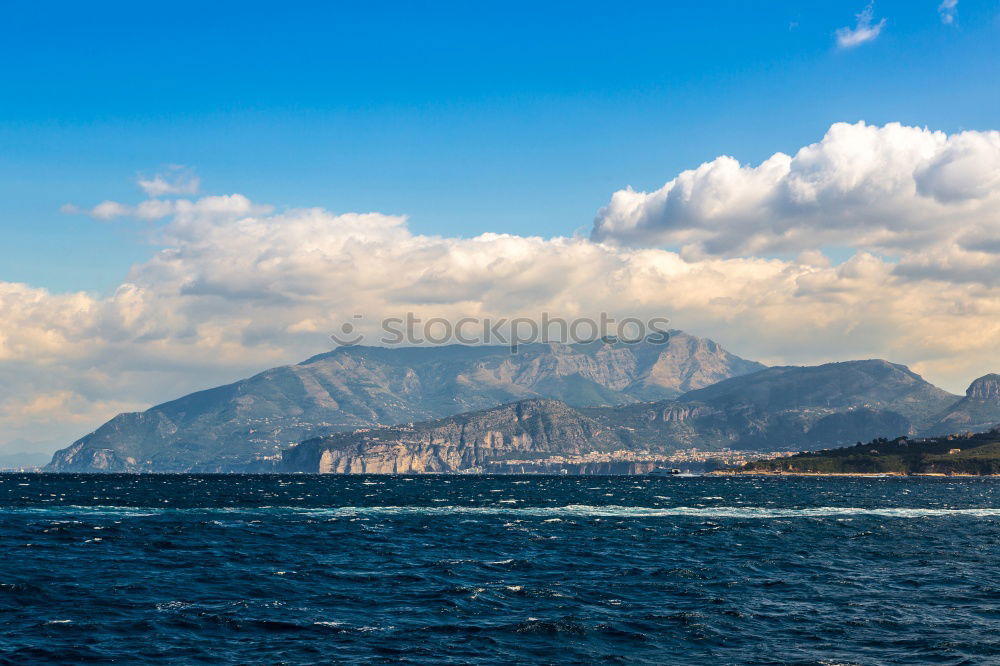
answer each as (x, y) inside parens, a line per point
(976, 454)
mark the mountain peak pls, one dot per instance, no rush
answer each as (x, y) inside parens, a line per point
(978, 411)
(986, 387)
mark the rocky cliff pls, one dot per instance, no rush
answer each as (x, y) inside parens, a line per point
(243, 426)
(527, 429)
(986, 388)
(978, 411)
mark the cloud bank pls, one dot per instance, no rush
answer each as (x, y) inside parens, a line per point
(239, 287)
(928, 198)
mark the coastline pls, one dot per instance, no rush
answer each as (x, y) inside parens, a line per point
(838, 474)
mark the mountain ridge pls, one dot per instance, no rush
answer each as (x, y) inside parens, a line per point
(481, 440)
(791, 407)
(348, 394)
(241, 425)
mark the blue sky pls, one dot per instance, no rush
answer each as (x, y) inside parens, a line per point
(874, 239)
(468, 118)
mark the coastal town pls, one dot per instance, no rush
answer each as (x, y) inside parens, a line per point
(631, 462)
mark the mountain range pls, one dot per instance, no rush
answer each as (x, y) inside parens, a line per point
(243, 425)
(452, 409)
(787, 407)
(775, 408)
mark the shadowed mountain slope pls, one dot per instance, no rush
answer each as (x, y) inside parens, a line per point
(789, 408)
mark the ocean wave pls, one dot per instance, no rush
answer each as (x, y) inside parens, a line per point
(546, 512)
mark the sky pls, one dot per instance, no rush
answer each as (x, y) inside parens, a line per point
(802, 181)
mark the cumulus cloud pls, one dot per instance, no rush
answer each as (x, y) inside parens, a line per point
(863, 31)
(157, 209)
(948, 10)
(176, 180)
(966, 168)
(895, 190)
(239, 287)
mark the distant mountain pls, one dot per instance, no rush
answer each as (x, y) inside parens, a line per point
(873, 384)
(22, 453)
(242, 425)
(779, 408)
(22, 459)
(978, 411)
(789, 408)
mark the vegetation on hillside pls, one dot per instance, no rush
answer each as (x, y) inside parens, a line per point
(967, 453)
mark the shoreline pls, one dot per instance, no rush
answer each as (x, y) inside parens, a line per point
(862, 474)
(713, 473)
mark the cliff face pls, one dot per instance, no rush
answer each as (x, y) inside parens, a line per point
(985, 388)
(978, 411)
(243, 426)
(532, 428)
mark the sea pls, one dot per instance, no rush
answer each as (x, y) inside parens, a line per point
(244, 569)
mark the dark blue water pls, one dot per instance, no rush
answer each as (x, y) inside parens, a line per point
(305, 569)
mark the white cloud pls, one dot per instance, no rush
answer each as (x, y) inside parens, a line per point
(894, 189)
(239, 287)
(863, 31)
(948, 10)
(176, 180)
(70, 406)
(153, 209)
(157, 209)
(108, 210)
